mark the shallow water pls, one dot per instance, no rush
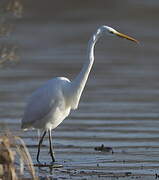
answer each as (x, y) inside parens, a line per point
(119, 106)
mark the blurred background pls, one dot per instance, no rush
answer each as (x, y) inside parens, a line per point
(119, 106)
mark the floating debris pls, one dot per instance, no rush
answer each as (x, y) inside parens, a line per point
(104, 149)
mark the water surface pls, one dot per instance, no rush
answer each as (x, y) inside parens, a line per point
(119, 106)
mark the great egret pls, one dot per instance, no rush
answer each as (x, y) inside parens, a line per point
(51, 104)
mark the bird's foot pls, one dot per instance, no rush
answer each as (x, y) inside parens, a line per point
(39, 164)
(50, 165)
(54, 164)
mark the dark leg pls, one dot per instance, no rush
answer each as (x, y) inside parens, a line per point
(51, 150)
(40, 142)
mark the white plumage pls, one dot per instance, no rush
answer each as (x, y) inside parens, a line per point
(51, 104)
(47, 107)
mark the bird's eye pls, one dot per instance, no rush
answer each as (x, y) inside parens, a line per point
(111, 32)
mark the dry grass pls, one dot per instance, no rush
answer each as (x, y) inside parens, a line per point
(11, 7)
(8, 55)
(9, 11)
(14, 158)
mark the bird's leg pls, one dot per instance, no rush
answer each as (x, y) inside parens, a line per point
(40, 142)
(51, 149)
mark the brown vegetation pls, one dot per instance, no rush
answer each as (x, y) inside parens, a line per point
(8, 10)
(14, 157)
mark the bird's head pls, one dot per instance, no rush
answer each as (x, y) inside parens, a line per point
(110, 31)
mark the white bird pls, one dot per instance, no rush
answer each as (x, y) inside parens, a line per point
(51, 104)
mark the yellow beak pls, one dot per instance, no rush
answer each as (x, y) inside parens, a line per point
(126, 37)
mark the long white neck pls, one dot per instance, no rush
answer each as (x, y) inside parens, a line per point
(79, 82)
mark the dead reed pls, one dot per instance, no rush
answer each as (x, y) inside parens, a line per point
(14, 159)
(10, 10)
